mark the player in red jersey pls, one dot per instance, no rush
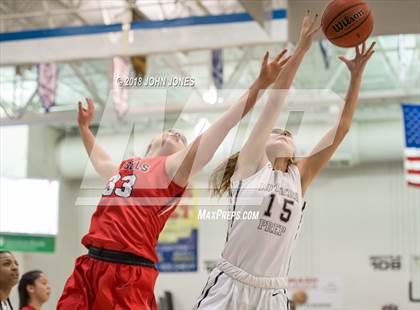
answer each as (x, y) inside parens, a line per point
(119, 270)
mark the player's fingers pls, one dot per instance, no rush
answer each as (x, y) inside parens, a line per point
(284, 61)
(357, 50)
(280, 55)
(369, 55)
(314, 21)
(366, 58)
(306, 18)
(265, 59)
(80, 108)
(90, 104)
(370, 48)
(315, 30)
(344, 59)
(363, 47)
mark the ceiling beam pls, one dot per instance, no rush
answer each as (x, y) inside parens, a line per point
(74, 13)
(260, 10)
(137, 13)
(203, 7)
(391, 70)
(90, 86)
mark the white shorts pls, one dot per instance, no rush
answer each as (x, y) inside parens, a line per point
(231, 288)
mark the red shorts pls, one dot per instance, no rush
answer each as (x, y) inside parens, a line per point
(100, 285)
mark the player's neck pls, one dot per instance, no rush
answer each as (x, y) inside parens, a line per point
(155, 153)
(280, 164)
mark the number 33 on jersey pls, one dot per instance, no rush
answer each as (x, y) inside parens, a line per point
(122, 185)
(124, 190)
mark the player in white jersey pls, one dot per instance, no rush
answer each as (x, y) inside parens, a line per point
(264, 176)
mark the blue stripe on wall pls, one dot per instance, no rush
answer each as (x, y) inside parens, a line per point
(59, 32)
(147, 24)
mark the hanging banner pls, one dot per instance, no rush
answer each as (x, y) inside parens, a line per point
(47, 84)
(217, 67)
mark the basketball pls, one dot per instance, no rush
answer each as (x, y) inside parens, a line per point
(300, 297)
(347, 23)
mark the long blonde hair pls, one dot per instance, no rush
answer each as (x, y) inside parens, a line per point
(220, 178)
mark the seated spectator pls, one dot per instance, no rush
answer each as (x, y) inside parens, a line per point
(34, 290)
(9, 277)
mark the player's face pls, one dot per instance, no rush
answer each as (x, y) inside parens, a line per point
(170, 141)
(41, 289)
(9, 270)
(280, 144)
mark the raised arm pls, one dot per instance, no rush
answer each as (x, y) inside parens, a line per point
(254, 149)
(310, 166)
(184, 164)
(99, 158)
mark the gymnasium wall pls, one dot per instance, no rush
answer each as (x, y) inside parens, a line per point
(352, 213)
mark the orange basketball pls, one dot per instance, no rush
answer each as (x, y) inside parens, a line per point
(347, 23)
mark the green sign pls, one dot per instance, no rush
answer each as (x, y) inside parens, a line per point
(27, 243)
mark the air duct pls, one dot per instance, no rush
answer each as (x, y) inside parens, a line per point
(366, 142)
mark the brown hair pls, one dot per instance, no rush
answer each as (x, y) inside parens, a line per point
(220, 178)
(219, 181)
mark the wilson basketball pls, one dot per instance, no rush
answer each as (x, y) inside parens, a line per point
(347, 23)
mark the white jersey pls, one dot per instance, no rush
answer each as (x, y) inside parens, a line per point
(263, 247)
(5, 305)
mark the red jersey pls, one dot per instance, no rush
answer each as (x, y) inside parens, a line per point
(134, 208)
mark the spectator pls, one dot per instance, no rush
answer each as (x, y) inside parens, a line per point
(34, 290)
(390, 307)
(9, 277)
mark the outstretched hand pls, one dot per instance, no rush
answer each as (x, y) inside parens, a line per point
(358, 63)
(270, 70)
(308, 30)
(85, 116)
